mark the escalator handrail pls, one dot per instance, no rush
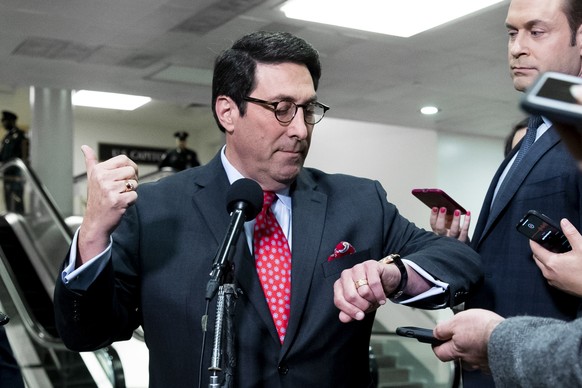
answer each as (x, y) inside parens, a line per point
(41, 190)
(37, 332)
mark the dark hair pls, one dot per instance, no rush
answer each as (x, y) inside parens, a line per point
(509, 139)
(234, 69)
(573, 11)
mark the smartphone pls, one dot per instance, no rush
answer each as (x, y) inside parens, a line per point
(543, 230)
(550, 96)
(421, 334)
(438, 198)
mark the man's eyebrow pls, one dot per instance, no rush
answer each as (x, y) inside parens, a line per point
(284, 97)
(528, 25)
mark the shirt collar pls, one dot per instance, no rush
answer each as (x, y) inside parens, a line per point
(233, 175)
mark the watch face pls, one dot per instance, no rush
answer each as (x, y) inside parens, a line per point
(389, 259)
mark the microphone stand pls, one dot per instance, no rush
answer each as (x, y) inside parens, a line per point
(225, 308)
(222, 280)
(221, 270)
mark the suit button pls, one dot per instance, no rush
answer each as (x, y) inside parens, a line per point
(283, 369)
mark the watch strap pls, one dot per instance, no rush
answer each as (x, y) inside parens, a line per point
(395, 259)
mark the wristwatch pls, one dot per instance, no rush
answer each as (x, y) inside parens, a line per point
(394, 258)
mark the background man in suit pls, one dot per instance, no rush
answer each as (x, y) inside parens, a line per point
(156, 269)
(543, 36)
(526, 351)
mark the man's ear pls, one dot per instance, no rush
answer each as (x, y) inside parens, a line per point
(579, 39)
(227, 112)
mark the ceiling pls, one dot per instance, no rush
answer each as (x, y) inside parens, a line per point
(127, 45)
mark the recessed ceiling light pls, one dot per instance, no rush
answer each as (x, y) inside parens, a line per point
(108, 100)
(399, 18)
(429, 110)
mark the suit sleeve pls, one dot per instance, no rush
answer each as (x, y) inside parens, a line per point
(536, 352)
(446, 259)
(107, 310)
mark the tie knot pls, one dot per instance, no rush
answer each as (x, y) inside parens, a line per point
(268, 199)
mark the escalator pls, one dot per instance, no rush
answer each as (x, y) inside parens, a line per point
(33, 242)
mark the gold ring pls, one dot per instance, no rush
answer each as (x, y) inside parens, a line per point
(360, 282)
(128, 186)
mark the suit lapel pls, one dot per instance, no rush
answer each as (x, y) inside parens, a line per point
(209, 197)
(309, 214)
(484, 214)
(536, 152)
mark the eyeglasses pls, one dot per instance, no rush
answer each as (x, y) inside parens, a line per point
(285, 111)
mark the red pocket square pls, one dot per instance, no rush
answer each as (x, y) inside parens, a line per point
(343, 248)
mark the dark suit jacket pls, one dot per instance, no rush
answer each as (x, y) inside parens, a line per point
(162, 255)
(547, 180)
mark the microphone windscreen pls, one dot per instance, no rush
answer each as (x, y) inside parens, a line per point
(248, 191)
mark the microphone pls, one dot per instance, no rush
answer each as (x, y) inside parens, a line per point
(244, 201)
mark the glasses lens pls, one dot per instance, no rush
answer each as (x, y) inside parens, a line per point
(313, 113)
(285, 111)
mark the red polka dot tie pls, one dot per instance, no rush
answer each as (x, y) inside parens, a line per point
(273, 261)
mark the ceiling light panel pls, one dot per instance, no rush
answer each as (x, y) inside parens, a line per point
(184, 74)
(105, 100)
(403, 18)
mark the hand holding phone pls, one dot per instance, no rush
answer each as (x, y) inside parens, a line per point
(438, 198)
(543, 230)
(421, 334)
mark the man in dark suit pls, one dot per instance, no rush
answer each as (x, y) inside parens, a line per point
(14, 145)
(527, 351)
(543, 36)
(163, 244)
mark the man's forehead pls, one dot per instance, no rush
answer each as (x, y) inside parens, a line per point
(284, 79)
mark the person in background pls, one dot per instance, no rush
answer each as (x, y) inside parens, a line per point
(514, 137)
(527, 351)
(145, 260)
(181, 157)
(542, 36)
(14, 145)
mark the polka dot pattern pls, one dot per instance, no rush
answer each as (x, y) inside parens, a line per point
(273, 261)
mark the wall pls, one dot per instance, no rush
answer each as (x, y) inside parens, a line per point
(400, 158)
(205, 138)
(466, 165)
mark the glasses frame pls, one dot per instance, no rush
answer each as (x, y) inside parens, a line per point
(274, 104)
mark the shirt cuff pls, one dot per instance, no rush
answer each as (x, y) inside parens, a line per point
(437, 289)
(79, 279)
